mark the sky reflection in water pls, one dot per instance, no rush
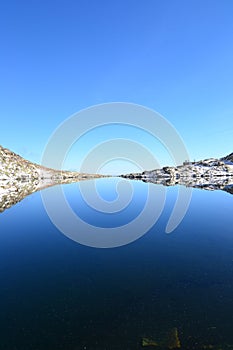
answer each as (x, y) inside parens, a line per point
(56, 293)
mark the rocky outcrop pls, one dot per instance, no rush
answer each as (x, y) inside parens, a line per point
(15, 168)
(209, 174)
(20, 178)
(228, 158)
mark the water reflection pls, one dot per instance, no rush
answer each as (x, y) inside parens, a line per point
(15, 190)
(12, 192)
(169, 290)
(224, 183)
(19, 178)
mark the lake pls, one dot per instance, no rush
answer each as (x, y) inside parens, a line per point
(59, 294)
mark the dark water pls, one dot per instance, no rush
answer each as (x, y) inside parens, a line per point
(58, 294)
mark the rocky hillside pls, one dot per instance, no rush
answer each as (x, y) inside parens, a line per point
(209, 174)
(202, 169)
(19, 178)
(15, 168)
(228, 158)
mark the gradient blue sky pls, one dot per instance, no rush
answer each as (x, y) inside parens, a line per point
(58, 57)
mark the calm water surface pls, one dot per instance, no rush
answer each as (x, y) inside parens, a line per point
(58, 294)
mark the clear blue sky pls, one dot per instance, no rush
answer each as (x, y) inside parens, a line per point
(57, 57)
